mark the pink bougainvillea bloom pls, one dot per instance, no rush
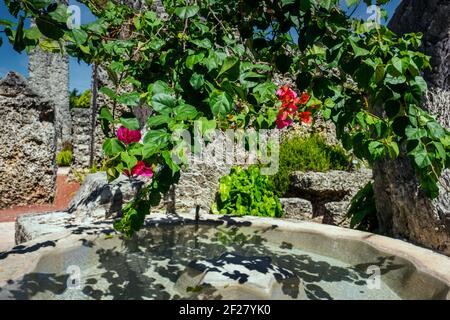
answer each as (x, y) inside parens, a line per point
(306, 117)
(286, 94)
(128, 136)
(140, 169)
(289, 108)
(283, 120)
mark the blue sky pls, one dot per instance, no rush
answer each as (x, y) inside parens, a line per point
(80, 73)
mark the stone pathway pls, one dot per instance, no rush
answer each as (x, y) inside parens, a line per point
(65, 191)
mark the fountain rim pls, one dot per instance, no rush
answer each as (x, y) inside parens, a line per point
(425, 260)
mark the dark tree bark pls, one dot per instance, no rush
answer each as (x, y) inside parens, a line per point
(404, 210)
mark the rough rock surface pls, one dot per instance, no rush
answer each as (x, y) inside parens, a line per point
(99, 200)
(432, 19)
(49, 77)
(297, 208)
(27, 150)
(404, 210)
(81, 139)
(330, 193)
(33, 226)
(240, 277)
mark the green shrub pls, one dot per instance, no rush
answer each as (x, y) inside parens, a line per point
(310, 153)
(80, 100)
(362, 211)
(64, 158)
(246, 192)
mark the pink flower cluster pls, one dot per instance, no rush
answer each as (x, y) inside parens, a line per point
(140, 169)
(128, 136)
(289, 107)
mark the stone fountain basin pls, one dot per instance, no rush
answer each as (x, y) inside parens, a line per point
(410, 271)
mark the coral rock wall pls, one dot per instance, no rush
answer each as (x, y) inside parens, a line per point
(28, 143)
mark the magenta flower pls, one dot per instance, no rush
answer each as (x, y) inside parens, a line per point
(283, 120)
(128, 136)
(140, 169)
(286, 94)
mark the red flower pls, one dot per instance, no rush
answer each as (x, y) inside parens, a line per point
(305, 117)
(304, 98)
(283, 120)
(286, 94)
(140, 169)
(290, 108)
(128, 136)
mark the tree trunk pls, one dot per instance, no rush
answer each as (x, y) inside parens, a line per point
(93, 116)
(404, 210)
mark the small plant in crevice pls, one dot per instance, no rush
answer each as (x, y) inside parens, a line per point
(65, 157)
(362, 212)
(246, 192)
(309, 153)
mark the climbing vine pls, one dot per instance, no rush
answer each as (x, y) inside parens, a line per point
(213, 62)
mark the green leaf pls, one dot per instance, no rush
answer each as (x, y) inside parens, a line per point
(187, 12)
(197, 81)
(130, 123)
(421, 158)
(163, 102)
(393, 149)
(155, 121)
(229, 63)
(19, 43)
(7, 23)
(376, 149)
(159, 138)
(167, 155)
(220, 102)
(185, 112)
(129, 99)
(436, 130)
(49, 27)
(421, 83)
(359, 52)
(351, 3)
(205, 125)
(107, 91)
(130, 160)
(414, 133)
(33, 33)
(112, 146)
(160, 87)
(397, 63)
(203, 43)
(105, 114)
(60, 14)
(192, 60)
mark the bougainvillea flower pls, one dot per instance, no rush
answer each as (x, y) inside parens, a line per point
(304, 98)
(289, 108)
(285, 93)
(305, 117)
(140, 169)
(128, 136)
(283, 120)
